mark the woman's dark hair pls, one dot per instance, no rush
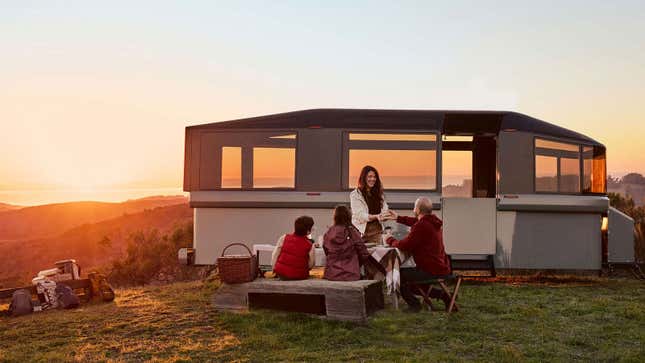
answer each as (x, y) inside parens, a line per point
(342, 216)
(376, 193)
(303, 225)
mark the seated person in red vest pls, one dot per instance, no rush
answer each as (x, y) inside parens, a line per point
(294, 254)
(425, 244)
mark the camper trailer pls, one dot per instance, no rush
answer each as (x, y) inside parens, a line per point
(519, 192)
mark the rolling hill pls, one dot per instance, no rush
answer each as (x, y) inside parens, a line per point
(7, 207)
(92, 244)
(53, 219)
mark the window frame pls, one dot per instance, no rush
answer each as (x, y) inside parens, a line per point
(278, 143)
(390, 145)
(560, 154)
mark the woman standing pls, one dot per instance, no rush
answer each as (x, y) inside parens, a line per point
(368, 204)
(344, 248)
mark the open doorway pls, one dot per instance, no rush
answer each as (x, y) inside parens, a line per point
(468, 167)
(456, 173)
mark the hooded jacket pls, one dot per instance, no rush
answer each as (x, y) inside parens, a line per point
(425, 243)
(360, 210)
(345, 253)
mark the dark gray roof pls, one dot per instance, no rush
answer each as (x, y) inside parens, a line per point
(450, 122)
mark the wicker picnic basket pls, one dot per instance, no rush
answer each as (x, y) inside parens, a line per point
(236, 269)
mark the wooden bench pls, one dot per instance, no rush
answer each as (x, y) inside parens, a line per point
(336, 300)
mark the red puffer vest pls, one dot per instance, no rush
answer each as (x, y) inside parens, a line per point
(293, 261)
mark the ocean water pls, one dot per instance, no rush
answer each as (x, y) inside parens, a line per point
(46, 196)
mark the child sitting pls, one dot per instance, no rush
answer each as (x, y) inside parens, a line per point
(294, 254)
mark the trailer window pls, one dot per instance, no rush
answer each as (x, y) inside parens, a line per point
(570, 175)
(546, 174)
(548, 144)
(393, 137)
(398, 169)
(274, 167)
(405, 161)
(594, 170)
(245, 160)
(557, 167)
(231, 167)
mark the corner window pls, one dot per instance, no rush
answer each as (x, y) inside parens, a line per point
(557, 167)
(404, 161)
(594, 171)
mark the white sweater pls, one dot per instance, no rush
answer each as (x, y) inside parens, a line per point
(360, 210)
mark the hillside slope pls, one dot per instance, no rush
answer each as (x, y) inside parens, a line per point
(92, 245)
(7, 207)
(53, 219)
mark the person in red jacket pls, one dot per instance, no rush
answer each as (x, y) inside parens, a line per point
(425, 244)
(293, 256)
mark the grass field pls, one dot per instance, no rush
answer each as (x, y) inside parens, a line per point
(588, 320)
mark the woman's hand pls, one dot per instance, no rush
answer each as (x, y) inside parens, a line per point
(389, 215)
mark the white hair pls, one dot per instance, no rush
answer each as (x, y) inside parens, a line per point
(423, 205)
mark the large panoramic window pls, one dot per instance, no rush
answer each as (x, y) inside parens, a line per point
(404, 161)
(274, 167)
(557, 167)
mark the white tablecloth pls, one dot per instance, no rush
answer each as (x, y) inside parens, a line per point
(392, 264)
(267, 249)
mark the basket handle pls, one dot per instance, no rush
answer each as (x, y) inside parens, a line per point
(237, 244)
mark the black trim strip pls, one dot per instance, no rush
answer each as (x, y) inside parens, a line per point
(551, 208)
(314, 205)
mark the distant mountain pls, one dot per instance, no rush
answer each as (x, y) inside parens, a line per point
(92, 245)
(632, 185)
(5, 207)
(53, 219)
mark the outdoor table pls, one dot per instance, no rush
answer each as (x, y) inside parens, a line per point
(264, 251)
(392, 259)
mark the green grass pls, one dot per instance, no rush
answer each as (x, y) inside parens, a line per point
(595, 320)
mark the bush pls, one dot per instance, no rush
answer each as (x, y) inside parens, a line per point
(627, 206)
(152, 257)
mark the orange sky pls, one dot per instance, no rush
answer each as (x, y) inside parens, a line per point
(98, 98)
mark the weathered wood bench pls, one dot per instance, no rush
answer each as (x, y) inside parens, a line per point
(346, 300)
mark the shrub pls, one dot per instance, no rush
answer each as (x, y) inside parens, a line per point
(627, 206)
(152, 257)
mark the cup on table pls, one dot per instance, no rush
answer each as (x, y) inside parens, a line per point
(387, 233)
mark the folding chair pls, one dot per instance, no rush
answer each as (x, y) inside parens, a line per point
(423, 287)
